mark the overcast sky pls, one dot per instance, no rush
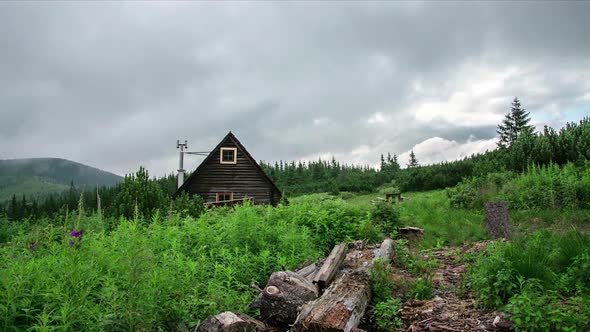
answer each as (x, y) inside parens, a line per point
(114, 85)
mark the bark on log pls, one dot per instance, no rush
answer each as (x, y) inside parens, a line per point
(283, 296)
(384, 251)
(332, 264)
(230, 322)
(340, 308)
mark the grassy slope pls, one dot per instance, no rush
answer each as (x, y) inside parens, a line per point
(431, 211)
(442, 224)
(448, 226)
(29, 186)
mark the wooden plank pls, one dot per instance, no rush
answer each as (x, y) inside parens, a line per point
(332, 264)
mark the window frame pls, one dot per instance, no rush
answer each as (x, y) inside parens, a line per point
(235, 152)
(231, 196)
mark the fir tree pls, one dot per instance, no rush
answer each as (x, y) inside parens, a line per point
(395, 163)
(515, 123)
(383, 162)
(13, 209)
(413, 161)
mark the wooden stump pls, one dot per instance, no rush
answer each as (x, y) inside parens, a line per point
(230, 322)
(497, 220)
(327, 272)
(340, 308)
(283, 296)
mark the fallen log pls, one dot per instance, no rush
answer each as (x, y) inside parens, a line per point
(340, 308)
(282, 297)
(385, 251)
(230, 322)
(327, 272)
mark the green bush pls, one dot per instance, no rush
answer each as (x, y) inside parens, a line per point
(185, 205)
(422, 289)
(385, 314)
(382, 283)
(547, 187)
(536, 309)
(385, 216)
(558, 262)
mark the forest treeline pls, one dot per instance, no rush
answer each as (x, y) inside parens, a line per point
(519, 148)
(569, 144)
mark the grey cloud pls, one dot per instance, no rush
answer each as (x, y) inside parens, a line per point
(115, 84)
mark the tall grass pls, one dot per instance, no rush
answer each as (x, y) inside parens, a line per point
(557, 261)
(161, 273)
(540, 187)
(542, 279)
(443, 225)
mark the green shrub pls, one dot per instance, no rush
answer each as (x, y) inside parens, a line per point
(185, 205)
(558, 262)
(539, 187)
(385, 314)
(385, 216)
(422, 289)
(536, 309)
(382, 283)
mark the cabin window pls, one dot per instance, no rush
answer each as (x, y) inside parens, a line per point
(228, 156)
(220, 197)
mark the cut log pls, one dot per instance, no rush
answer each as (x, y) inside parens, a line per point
(385, 251)
(230, 322)
(340, 308)
(282, 297)
(304, 272)
(328, 271)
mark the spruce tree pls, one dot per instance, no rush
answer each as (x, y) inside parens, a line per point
(413, 160)
(514, 124)
(394, 162)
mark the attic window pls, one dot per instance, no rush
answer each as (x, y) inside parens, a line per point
(228, 156)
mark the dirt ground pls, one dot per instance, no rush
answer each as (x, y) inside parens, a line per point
(452, 308)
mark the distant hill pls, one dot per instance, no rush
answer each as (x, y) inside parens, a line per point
(39, 176)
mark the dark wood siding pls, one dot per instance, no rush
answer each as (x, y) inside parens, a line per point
(244, 178)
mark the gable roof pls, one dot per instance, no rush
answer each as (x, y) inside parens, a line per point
(230, 136)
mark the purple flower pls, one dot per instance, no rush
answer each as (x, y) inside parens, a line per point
(72, 243)
(32, 246)
(76, 234)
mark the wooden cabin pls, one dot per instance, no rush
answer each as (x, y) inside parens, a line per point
(230, 175)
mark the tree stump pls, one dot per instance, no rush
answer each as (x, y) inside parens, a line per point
(283, 296)
(497, 220)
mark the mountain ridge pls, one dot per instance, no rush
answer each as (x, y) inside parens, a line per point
(39, 176)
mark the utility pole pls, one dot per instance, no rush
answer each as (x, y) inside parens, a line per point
(181, 170)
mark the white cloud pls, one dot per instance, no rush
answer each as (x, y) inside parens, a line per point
(437, 149)
(376, 118)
